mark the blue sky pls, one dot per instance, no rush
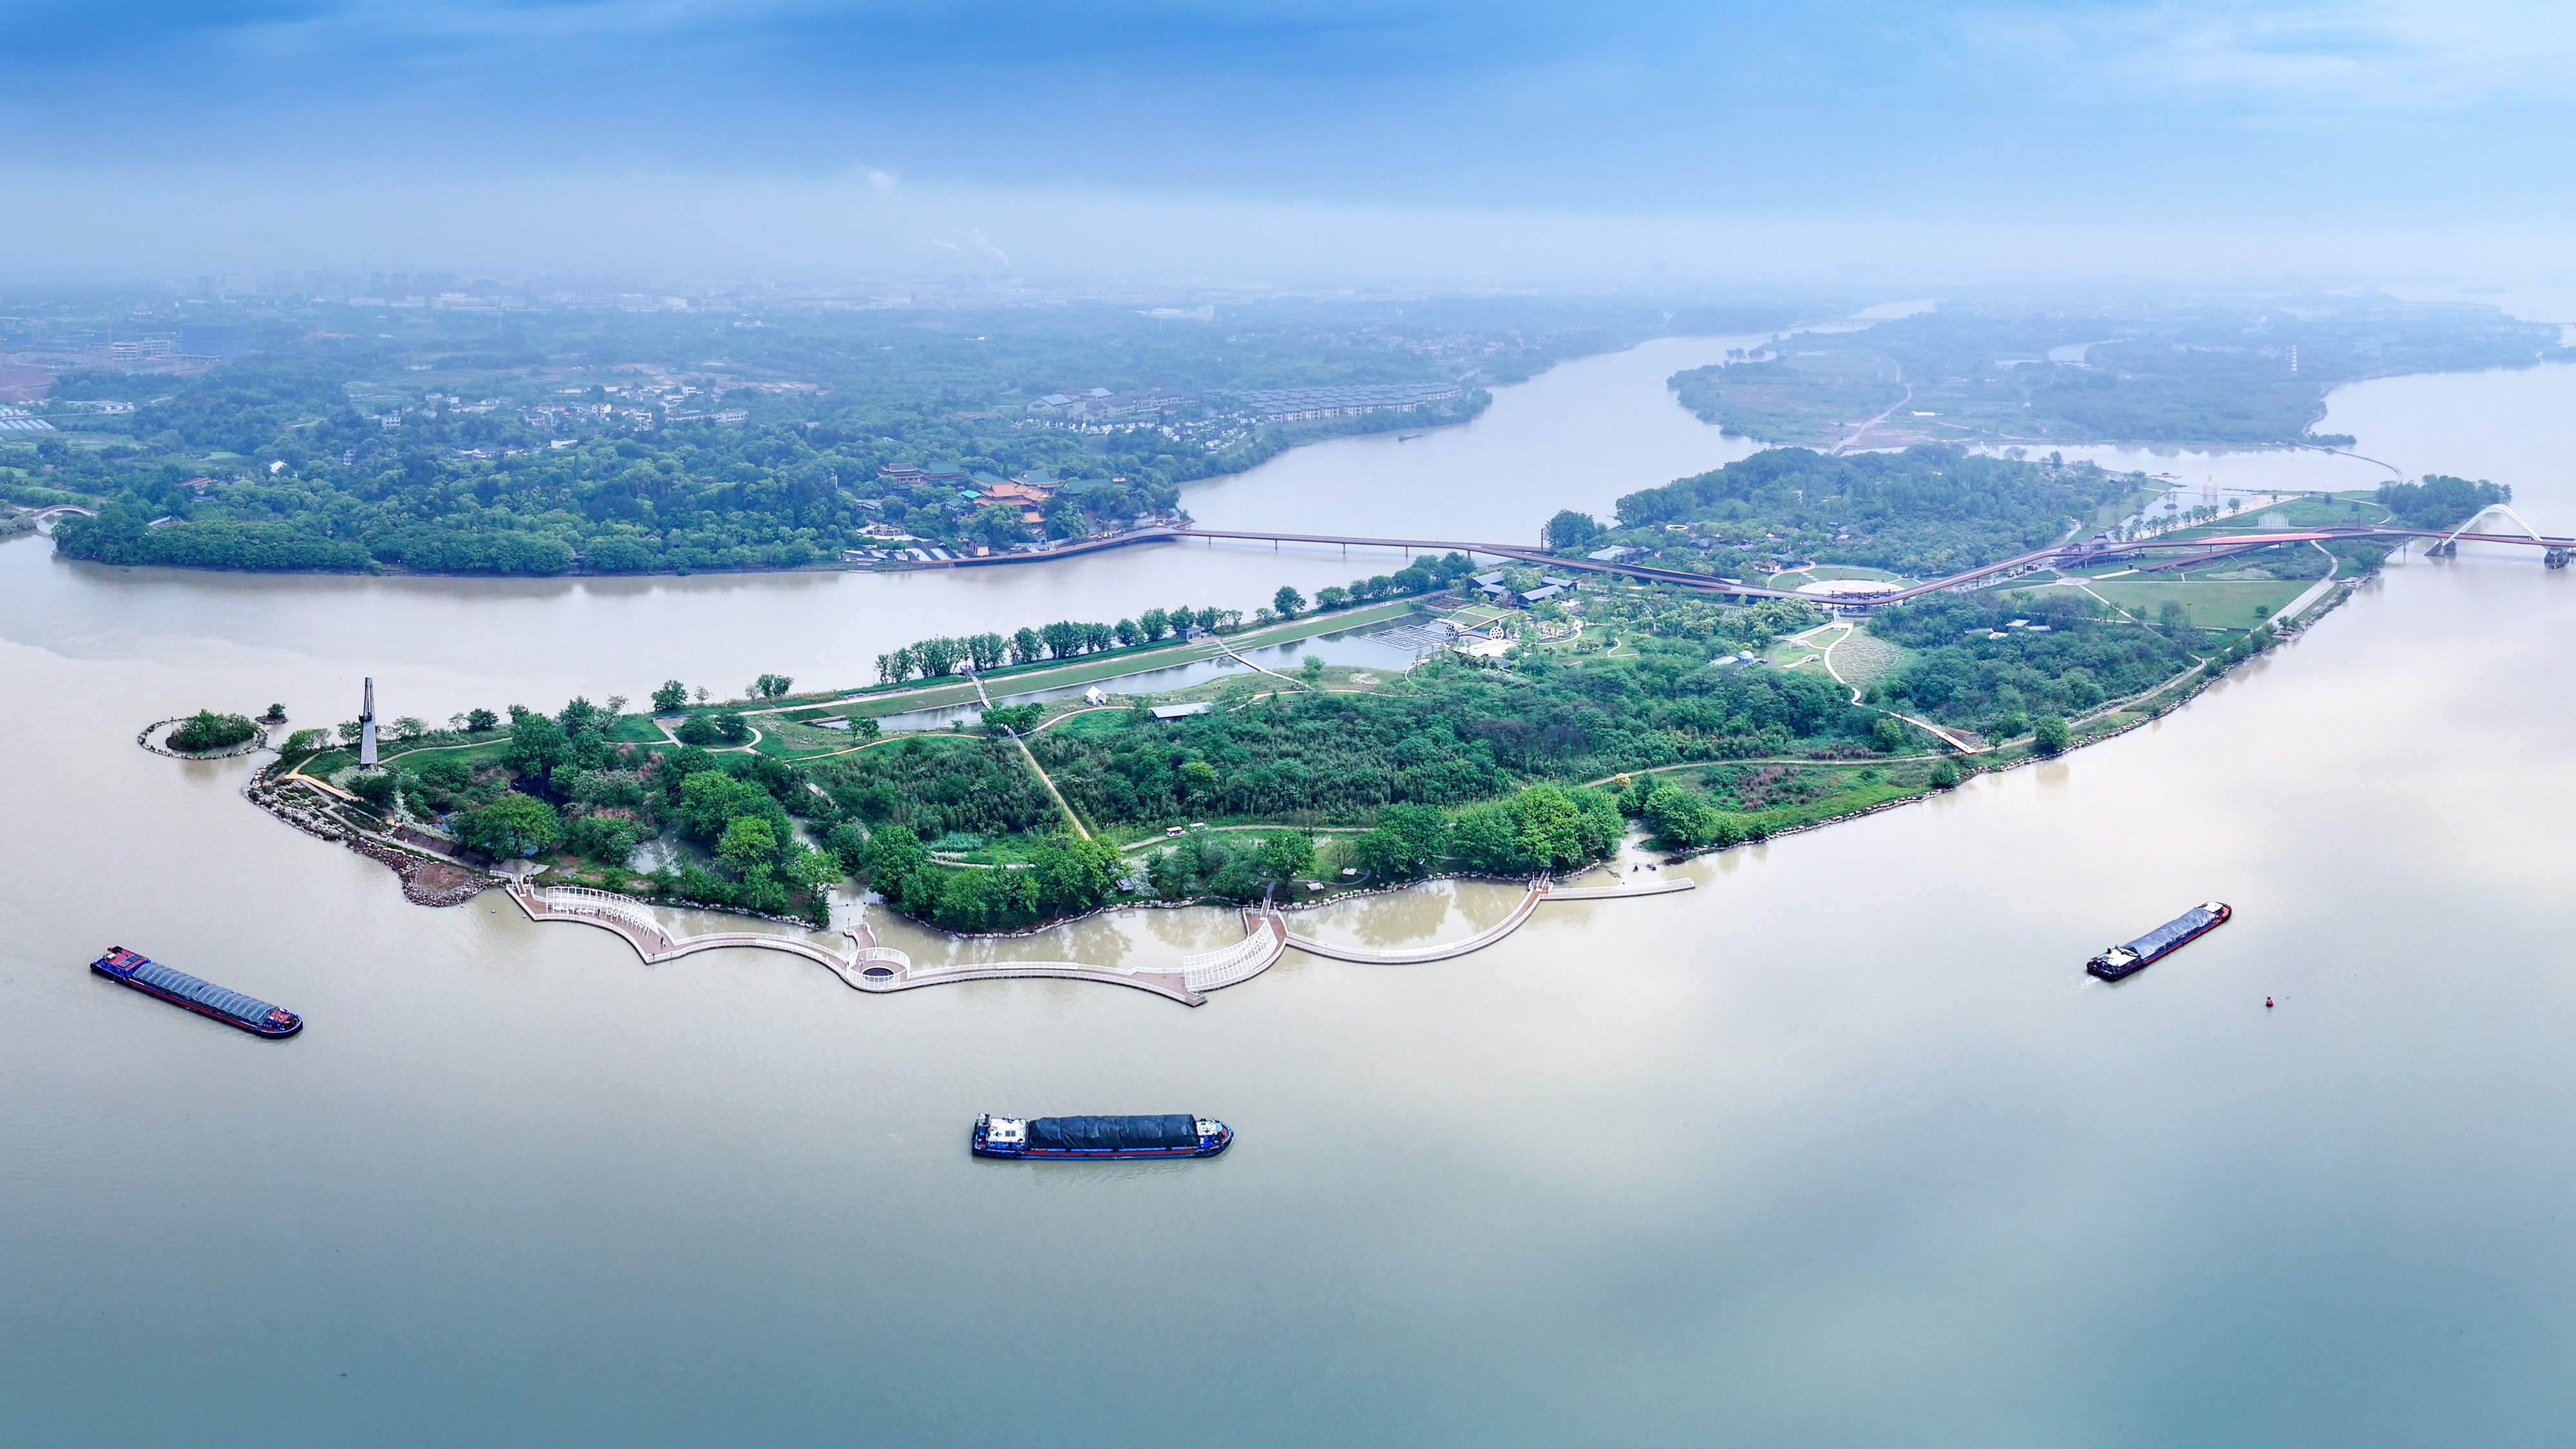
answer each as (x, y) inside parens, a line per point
(1398, 136)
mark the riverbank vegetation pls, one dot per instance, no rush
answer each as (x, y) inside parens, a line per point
(2241, 372)
(547, 441)
(1927, 511)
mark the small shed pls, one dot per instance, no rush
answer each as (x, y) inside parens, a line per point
(1181, 711)
(1093, 696)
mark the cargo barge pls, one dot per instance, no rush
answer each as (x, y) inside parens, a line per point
(202, 997)
(1087, 1139)
(2164, 940)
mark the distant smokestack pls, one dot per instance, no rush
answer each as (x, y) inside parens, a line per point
(367, 729)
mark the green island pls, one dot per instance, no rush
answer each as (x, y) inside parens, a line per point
(2232, 372)
(1547, 736)
(206, 730)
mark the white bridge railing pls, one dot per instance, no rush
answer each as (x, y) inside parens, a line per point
(582, 900)
(1230, 965)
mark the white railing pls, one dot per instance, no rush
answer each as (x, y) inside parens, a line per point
(1231, 965)
(582, 900)
(1017, 968)
(889, 955)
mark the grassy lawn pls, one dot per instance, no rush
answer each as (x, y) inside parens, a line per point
(1475, 618)
(634, 729)
(1842, 790)
(2214, 604)
(1096, 725)
(1855, 794)
(787, 740)
(1864, 656)
(1803, 652)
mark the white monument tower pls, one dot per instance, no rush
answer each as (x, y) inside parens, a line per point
(367, 730)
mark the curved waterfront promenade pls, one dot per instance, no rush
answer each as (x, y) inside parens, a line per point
(1541, 890)
(867, 966)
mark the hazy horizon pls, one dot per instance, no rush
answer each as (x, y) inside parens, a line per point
(1851, 144)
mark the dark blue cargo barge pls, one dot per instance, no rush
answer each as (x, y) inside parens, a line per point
(202, 997)
(1087, 1139)
(2118, 961)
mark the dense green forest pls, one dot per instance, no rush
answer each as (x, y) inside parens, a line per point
(2235, 371)
(1930, 510)
(2437, 501)
(539, 443)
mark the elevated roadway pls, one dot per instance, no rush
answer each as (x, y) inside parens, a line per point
(2060, 555)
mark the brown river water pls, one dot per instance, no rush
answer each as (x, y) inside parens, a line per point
(1840, 1149)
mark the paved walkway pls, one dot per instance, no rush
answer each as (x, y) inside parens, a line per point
(1540, 890)
(867, 966)
(2313, 592)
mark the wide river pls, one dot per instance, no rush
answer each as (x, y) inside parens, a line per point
(1841, 1149)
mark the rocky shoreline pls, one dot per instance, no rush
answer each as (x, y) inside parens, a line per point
(429, 877)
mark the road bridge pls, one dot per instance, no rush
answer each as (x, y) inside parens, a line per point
(2557, 553)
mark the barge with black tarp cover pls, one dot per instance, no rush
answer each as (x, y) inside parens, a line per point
(202, 997)
(1083, 1139)
(2118, 961)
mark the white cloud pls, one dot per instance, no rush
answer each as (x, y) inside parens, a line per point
(2378, 54)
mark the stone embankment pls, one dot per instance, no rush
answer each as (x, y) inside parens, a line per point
(430, 876)
(251, 746)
